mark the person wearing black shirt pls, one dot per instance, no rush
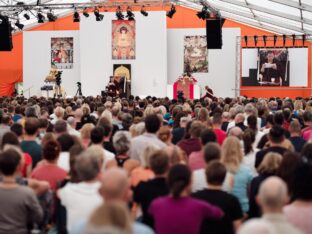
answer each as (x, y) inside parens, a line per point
(276, 138)
(295, 138)
(147, 191)
(233, 214)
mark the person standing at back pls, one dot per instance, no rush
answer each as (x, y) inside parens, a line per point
(29, 144)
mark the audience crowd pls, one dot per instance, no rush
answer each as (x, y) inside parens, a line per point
(88, 165)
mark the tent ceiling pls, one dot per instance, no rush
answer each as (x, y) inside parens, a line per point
(279, 16)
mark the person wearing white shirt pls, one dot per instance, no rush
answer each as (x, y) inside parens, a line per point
(80, 199)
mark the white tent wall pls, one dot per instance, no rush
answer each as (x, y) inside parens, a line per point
(221, 63)
(37, 61)
(149, 69)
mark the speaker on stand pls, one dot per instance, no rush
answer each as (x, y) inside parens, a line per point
(5, 34)
(214, 33)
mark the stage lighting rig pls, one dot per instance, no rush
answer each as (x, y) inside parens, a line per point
(76, 17)
(51, 17)
(203, 14)
(143, 11)
(119, 14)
(41, 17)
(26, 16)
(19, 25)
(85, 13)
(130, 14)
(171, 12)
(98, 16)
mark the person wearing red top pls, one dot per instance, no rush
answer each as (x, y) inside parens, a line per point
(47, 169)
(193, 143)
(217, 123)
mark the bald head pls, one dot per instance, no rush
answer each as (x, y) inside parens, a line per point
(236, 132)
(115, 184)
(257, 226)
(272, 195)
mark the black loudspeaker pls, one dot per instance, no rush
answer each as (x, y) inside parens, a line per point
(5, 35)
(214, 33)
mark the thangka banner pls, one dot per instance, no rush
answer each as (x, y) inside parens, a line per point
(123, 39)
(62, 52)
(195, 54)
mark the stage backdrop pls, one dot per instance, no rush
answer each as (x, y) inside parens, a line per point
(148, 69)
(221, 63)
(37, 60)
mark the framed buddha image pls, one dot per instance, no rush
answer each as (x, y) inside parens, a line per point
(62, 52)
(123, 39)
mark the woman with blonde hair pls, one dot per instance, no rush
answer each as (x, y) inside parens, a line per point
(232, 158)
(165, 135)
(149, 110)
(112, 218)
(268, 167)
(85, 132)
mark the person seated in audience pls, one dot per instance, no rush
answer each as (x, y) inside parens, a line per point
(47, 169)
(10, 138)
(249, 159)
(239, 121)
(306, 153)
(212, 152)
(236, 132)
(5, 124)
(138, 144)
(233, 214)
(66, 141)
(306, 132)
(252, 124)
(171, 214)
(122, 142)
(29, 144)
(108, 130)
(149, 190)
(19, 204)
(85, 134)
(217, 123)
(114, 188)
(80, 199)
(232, 158)
(299, 211)
(143, 172)
(271, 198)
(165, 135)
(225, 120)
(196, 159)
(256, 226)
(276, 139)
(268, 167)
(60, 128)
(179, 126)
(295, 135)
(97, 138)
(193, 143)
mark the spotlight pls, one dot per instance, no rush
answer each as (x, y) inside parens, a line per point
(51, 17)
(143, 12)
(246, 40)
(264, 40)
(41, 18)
(171, 12)
(119, 14)
(256, 40)
(19, 25)
(274, 39)
(85, 13)
(130, 14)
(76, 17)
(203, 14)
(98, 16)
(303, 39)
(294, 39)
(26, 16)
(284, 40)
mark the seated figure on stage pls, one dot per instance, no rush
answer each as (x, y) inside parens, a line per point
(52, 74)
(209, 93)
(111, 88)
